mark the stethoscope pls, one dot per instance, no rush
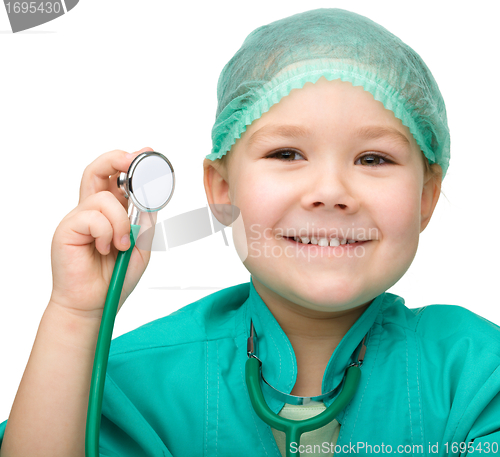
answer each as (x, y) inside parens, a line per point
(293, 429)
(149, 185)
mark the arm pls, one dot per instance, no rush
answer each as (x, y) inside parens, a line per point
(50, 409)
(48, 417)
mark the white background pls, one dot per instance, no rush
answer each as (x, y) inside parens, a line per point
(125, 75)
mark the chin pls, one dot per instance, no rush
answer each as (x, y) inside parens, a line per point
(332, 296)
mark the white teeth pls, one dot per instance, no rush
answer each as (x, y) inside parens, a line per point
(323, 241)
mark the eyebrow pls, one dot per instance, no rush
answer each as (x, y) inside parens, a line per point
(373, 132)
(281, 131)
(367, 132)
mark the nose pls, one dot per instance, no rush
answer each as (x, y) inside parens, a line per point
(331, 188)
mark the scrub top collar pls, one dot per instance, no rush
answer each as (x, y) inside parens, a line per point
(279, 364)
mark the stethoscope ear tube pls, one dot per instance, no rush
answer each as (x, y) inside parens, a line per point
(103, 345)
(294, 429)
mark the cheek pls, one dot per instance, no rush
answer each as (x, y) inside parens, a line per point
(398, 216)
(262, 201)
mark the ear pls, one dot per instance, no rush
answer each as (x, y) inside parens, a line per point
(215, 180)
(430, 195)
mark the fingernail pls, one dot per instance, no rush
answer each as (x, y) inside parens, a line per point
(125, 240)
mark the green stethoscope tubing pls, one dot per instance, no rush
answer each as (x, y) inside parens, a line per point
(294, 429)
(103, 345)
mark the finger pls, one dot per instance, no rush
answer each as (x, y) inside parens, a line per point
(92, 225)
(106, 203)
(96, 177)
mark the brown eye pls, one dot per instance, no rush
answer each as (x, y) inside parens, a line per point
(372, 160)
(285, 155)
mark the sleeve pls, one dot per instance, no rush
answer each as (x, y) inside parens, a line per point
(124, 431)
(2, 432)
(484, 435)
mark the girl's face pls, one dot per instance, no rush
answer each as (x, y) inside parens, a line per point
(327, 160)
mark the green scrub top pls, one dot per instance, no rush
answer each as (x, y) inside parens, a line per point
(430, 382)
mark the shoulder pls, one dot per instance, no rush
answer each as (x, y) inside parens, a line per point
(439, 322)
(445, 325)
(459, 356)
(211, 317)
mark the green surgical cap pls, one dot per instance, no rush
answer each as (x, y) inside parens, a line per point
(336, 44)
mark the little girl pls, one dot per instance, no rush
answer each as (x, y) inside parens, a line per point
(331, 141)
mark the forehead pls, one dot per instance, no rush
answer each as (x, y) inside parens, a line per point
(328, 108)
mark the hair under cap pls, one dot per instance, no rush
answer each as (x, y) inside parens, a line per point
(336, 44)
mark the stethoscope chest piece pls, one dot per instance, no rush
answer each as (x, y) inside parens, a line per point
(149, 182)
